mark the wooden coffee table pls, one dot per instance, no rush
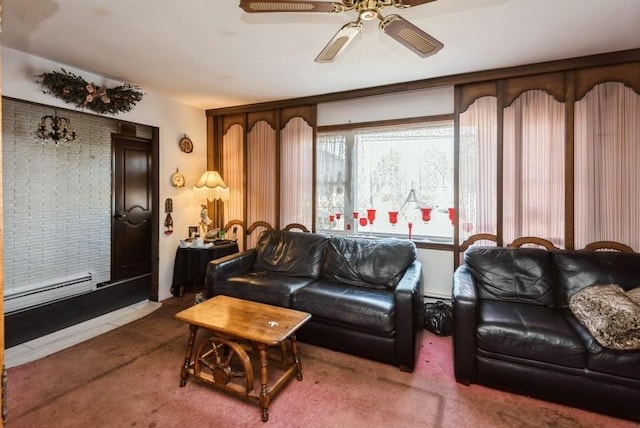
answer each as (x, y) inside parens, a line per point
(249, 338)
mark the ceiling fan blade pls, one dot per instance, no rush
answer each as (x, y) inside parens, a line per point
(410, 36)
(260, 6)
(339, 42)
(410, 3)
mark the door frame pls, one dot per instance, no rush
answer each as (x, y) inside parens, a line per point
(155, 204)
(155, 224)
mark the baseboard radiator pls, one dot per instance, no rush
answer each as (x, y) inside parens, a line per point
(39, 295)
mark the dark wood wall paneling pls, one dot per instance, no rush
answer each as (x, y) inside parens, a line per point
(566, 80)
(277, 118)
(567, 87)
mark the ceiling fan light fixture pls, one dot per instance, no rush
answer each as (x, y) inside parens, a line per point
(368, 14)
(395, 26)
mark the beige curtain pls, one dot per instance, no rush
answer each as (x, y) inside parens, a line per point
(607, 159)
(478, 188)
(232, 156)
(296, 175)
(261, 178)
(534, 173)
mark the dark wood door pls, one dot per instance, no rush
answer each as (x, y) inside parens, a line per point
(131, 226)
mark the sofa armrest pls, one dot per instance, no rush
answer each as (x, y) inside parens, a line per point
(464, 299)
(409, 322)
(220, 269)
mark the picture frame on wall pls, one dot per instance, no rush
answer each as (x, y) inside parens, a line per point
(193, 231)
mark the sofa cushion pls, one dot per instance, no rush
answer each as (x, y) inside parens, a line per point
(533, 332)
(579, 269)
(290, 253)
(512, 274)
(625, 364)
(609, 315)
(269, 288)
(370, 263)
(370, 309)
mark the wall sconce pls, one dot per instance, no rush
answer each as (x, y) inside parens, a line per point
(55, 129)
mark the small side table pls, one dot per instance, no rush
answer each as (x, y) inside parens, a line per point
(190, 266)
(227, 362)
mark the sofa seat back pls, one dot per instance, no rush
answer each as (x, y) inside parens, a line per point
(258, 286)
(367, 309)
(579, 269)
(522, 275)
(377, 264)
(290, 253)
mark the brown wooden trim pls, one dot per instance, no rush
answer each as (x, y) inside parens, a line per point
(306, 113)
(292, 226)
(278, 171)
(608, 246)
(469, 93)
(389, 122)
(619, 57)
(257, 224)
(500, 164)
(314, 168)
(552, 83)
(457, 95)
(569, 162)
(233, 223)
(212, 130)
(229, 120)
(155, 224)
(268, 116)
(214, 163)
(245, 180)
(628, 74)
(519, 242)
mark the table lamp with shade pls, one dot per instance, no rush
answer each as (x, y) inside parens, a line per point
(209, 188)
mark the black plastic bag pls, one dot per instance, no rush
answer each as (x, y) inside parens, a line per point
(438, 318)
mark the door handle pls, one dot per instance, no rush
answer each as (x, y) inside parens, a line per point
(120, 216)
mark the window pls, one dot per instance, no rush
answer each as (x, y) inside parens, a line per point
(391, 174)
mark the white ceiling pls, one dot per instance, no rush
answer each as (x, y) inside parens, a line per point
(211, 54)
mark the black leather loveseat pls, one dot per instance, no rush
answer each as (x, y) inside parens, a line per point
(513, 329)
(365, 296)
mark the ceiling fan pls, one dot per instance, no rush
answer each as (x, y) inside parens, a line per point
(395, 26)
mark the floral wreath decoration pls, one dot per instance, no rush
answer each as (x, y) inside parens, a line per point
(73, 89)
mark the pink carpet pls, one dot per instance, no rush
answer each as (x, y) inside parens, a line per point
(129, 378)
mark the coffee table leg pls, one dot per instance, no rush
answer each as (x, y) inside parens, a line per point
(296, 357)
(184, 373)
(264, 378)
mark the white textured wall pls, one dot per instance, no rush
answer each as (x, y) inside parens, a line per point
(57, 199)
(426, 102)
(173, 119)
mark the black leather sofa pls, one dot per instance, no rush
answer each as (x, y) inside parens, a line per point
(365, 295)
(513, 329)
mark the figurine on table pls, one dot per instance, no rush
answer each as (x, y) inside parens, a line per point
(205, 221)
